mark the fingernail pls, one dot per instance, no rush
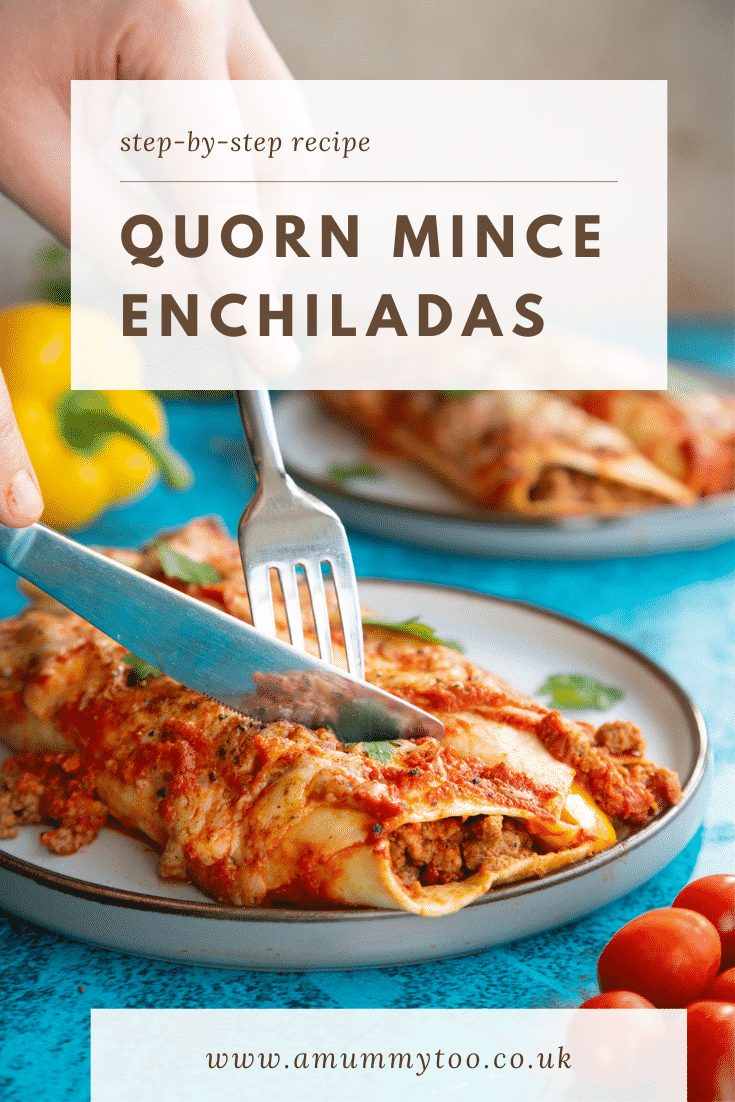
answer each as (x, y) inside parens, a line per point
(23, 497)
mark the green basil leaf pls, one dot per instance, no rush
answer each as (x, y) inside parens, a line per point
(358, 470)
(380, 751)
(140, 670)
(570, 690)
(413, 626)
(176, 565)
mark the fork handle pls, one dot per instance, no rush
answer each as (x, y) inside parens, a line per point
(260, 432)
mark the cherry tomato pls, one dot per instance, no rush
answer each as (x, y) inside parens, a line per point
(710, 1052)
(714, 897)
(617, 1000)
(668, 956)
(722, 988)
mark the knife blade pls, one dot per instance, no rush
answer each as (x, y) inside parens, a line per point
(206, 649)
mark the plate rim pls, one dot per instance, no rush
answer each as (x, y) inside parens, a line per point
(140, 901)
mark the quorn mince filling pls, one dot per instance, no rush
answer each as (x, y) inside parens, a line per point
(562, 484)
(448, 850)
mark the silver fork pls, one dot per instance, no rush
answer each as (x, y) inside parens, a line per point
(284, 527)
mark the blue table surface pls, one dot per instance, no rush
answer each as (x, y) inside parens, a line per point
(677, 608)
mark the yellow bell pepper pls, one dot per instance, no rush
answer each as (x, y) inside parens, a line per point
(35, 344)
(90, 449)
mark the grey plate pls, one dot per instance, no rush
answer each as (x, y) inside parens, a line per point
(109, 893)
(408, 504)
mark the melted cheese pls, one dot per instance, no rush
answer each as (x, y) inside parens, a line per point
(492, 742)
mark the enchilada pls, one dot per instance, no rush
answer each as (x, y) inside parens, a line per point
(259, 813)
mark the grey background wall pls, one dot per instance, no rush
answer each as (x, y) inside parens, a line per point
(687, 42)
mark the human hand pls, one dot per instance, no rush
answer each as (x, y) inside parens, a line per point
(20, 497)
(45, 44)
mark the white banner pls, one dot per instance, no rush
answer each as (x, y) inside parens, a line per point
(391, 1055)
(458, 234)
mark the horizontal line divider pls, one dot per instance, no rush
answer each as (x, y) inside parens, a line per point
(369, 181)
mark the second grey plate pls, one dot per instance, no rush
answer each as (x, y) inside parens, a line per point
(407, 504)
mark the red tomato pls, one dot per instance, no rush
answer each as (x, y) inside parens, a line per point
(710, 1052)
(617, 1000)
(722, 988)
(668, 956)
(714, 897)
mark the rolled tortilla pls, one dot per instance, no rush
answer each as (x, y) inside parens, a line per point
(525, 452)
(689, 433)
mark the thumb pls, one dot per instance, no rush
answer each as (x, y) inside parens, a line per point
(20, 497)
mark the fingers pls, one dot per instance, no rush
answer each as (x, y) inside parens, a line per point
(20, 498)
(275, 108)
(35, 172)
(34, 127)
(273, 105)
(216, 39)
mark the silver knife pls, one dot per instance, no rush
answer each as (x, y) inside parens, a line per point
(205, 649)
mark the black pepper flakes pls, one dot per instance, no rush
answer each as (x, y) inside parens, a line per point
(377, 828)
(221, 752)
(212, 777)
(161, 792)
(414, 772)
(475, 780)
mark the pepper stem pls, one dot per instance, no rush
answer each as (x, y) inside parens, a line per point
(175, 471)
(86, 422)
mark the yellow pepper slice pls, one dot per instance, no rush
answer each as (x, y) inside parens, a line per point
(581, 820)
